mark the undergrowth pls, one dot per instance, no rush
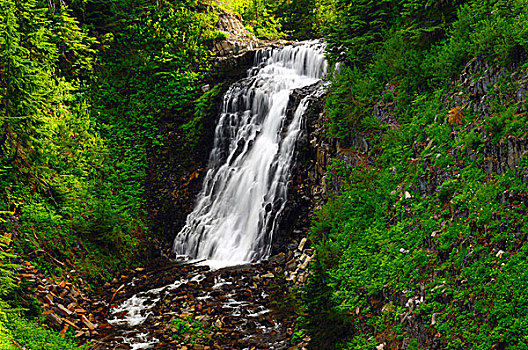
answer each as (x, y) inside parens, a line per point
(424, 244)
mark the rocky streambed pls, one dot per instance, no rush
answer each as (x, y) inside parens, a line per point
(170, 305)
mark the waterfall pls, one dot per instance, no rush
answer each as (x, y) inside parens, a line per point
(245, 187)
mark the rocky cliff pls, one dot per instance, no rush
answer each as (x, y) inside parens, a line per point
(466, 168)
(176, 172)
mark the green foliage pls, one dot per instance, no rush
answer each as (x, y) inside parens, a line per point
(15, 329)
(30, 335)
(413, 46)
(297, 18)
(6, 269)
(381, 236)
(493, 29)
(358, 26)
(79, 118)
(326, 15)
(297, 337)
(203, 107)
(79, 124)
(53, 159)
(75, 173)
(349, 101)
(355, 30)
(5, 337)
(165, 59)
(276, 19)
(429, 215)
(322, 310)
(191, 331)
(260, 19)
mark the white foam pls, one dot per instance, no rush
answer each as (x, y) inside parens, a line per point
(245, 187)
(135, 308)
(220, 264)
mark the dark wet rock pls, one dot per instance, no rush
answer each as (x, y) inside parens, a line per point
(304, 189)
(233, 303)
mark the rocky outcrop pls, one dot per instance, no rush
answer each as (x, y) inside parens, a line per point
(236, 47)
(479, 111)
(236, 38)
(480, 90)
(304, 189)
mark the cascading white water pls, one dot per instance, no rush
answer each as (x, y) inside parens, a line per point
(245, 187)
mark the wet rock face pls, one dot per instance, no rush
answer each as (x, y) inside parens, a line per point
(305, 188)
(175, 175)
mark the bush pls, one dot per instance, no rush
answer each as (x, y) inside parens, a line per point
(427, 212)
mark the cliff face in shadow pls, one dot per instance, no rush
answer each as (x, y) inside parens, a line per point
(177, 169)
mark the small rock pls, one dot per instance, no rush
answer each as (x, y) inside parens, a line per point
(290, 265)
(305, 263)
(388, 308)
(64, 310)
(218, 324)
(54, 320)
(302, 244)
(302, 278)
(278, 259)
(87, 323)
(433, 319)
